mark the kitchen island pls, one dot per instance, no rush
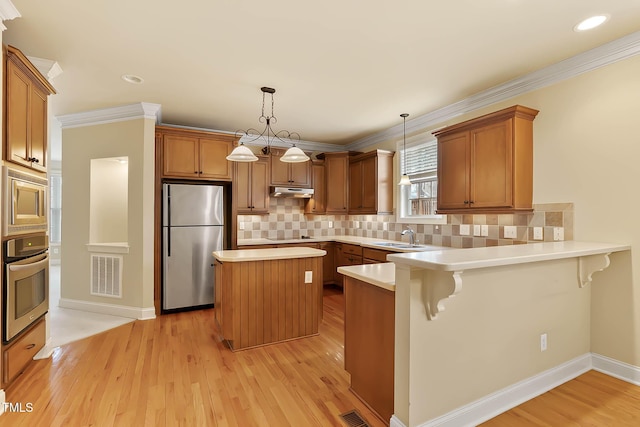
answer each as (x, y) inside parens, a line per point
(265, 296)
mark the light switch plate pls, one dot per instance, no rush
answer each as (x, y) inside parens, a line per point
(510, 231)
(385, 226)
(308, 276)
(464, 229)
(356, 224)
(558, 233)
(330, 224)
(537, 233)
(484, 230)
(476, 229)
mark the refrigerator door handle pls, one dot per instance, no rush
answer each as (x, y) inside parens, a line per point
(168, 220)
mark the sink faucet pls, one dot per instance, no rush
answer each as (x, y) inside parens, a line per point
(411, 234)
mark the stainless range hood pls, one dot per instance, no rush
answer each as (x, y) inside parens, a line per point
(299, 193)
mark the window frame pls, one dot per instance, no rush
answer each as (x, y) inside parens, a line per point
(403, 192)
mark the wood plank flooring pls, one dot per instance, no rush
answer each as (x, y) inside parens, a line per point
(172, 371)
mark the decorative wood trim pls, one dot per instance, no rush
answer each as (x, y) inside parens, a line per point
(140, 110)
(587, 265)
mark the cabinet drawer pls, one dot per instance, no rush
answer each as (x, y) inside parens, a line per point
(352, 249)
(375, 254)
(21, 352)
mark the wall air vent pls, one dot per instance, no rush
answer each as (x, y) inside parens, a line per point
(106, 275)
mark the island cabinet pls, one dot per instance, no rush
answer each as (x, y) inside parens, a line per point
(317, 204)
(371, 183)
(26, 93)
(193, 154)
(485, 165)
(264, 296)
(289, 174)
(337, 181)
(251, 186)
(369, 339)
(328, 263)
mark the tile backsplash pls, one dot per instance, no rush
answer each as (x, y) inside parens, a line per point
(287, 220)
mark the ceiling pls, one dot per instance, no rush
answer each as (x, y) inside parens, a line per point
(342, 70)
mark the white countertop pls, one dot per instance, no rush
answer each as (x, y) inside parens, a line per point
(353, 240)
(266, 254)
(473, 258)
(382, 275)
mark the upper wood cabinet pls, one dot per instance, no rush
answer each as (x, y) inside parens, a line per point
(289, 174)
(485, 165)
(336, 166)
(317, 204)
(26, 94)
(251, 186)
(371, 183)
(194, 154)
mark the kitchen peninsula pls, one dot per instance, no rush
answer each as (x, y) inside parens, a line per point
(264, 296)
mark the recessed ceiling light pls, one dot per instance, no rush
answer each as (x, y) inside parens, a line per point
(132, 78)
(591, 23)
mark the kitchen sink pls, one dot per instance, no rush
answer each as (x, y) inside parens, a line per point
(401, 245)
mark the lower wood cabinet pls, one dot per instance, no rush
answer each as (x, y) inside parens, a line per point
(369, 343)
(346, 254)
(264, 302)
(17, 354)
(372, 256)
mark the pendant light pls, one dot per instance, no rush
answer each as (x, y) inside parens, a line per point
(405, 178)
(292, 155)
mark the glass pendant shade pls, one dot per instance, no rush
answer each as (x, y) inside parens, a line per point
(242, 154)
(405, 180)
(294, 155)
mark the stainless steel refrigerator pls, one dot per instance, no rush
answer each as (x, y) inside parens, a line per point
(192, 228)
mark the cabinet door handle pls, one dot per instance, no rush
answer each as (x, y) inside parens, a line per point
(466, 202)
(30, 346)
(195, 171)
(471, 202)
(200, 172)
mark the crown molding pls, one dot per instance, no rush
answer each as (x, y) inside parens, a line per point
(7, 12)
(48, 68)
(141, 110)
(617, 50)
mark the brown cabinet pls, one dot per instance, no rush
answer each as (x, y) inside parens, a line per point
(369, 339)
(337, 182)
(371, 183)
(486, 164)
(251, 186)
(317, 204)
(346, 254)
(328, 263)
(289, 174)
(195, 154)
(17, 355)
(26, 94)
(373, 256)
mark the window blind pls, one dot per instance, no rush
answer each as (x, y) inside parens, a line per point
(422, 159)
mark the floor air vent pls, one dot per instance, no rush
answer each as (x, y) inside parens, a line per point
(354, 419)
(106, 275)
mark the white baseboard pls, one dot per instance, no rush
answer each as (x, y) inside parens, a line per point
(496, 403)
(45, 352)
(110, 309)
(616, 369)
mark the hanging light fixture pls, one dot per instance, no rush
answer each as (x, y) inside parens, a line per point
(405, 178)
(292, 155)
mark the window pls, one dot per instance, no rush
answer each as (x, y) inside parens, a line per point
(417, 202)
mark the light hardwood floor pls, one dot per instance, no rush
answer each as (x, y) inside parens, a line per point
(172, 371)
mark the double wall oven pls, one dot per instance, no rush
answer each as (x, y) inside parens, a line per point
(25, 255)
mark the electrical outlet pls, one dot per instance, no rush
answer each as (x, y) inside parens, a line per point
(356, 224)
(330, 224)
(543, 342)
(464, 229)
(308, 276)
(241, 225)
(510, 231)
(537, 233)
(484, 230)
(476, 229)
(558, 233)
(385, 226)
